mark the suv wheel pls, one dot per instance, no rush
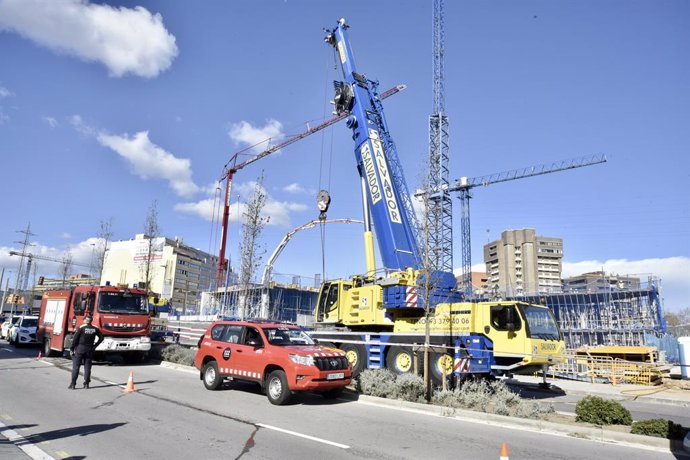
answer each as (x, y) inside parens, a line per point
(212, 379)
(277, 389)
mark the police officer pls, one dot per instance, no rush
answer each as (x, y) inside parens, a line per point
(86, 340)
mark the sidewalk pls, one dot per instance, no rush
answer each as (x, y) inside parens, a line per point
(659, 394)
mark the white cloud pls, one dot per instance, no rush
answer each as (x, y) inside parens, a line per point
(125, 40)
(278, 212)
(294, 188)
(4, 92)
(674, 273)
(3, 117)
(78, 123)
(66, 236)
(244, 133)
(52, 122)
(148, 160)
(82, 259)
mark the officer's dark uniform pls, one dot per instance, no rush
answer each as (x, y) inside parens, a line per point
(83, 346)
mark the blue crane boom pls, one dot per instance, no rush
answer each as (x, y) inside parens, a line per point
(386, 197)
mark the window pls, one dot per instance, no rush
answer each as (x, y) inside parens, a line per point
(283, 336)
(501, 317)
(217, 331)
(77, 306)
(252, 337)
(227, 333)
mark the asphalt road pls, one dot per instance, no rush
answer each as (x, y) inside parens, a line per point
(172, 416)
(640, 410)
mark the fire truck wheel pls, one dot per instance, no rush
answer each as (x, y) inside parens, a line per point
(277, 389)
(357, 356)
(47, 351)
(441, 363)
(400, 360)
(212, 379)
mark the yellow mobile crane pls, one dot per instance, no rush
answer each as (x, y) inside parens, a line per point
(378, 321)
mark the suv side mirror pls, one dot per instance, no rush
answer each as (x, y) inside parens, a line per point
(255, 343)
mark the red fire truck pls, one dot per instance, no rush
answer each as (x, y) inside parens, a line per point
(120, 313)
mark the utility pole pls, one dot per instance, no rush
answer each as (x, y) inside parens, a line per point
(4, 293)
(27, 234)
(2, 304)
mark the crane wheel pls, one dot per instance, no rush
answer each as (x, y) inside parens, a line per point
(400, 360)
(356, 355)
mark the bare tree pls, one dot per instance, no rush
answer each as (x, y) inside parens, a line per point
(426, 269)
(66, 267)
(104, 237)
(251, 252)
(151, 233)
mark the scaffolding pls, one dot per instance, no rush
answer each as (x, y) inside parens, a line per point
(291, 298)
(613, 316)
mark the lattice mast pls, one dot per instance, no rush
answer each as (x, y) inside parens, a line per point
(439, 216)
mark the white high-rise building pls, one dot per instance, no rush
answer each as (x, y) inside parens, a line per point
(176, 271)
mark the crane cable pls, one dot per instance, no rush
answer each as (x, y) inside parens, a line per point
(322, 224)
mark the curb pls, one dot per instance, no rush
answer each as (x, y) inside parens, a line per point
(583, 432)
(624, 397)
(179, 367)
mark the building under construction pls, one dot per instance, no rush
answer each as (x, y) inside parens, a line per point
(624, 314)
(293, 301)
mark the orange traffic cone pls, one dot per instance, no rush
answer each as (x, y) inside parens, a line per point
(39, 356)
(504, 452)
(130, 383)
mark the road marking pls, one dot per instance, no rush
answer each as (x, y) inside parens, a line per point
(21, 442)
(6, 417)
(114, 383)
(62, 454)
(305, 436)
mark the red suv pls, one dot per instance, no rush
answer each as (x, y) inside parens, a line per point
(281, 357)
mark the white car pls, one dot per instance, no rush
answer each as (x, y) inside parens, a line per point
(6, 326)
(24, 331)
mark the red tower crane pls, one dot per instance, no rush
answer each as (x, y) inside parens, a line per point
(232, 166)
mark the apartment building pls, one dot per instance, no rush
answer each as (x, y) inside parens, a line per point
(523, 263)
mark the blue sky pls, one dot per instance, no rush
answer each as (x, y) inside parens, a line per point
(108, 106)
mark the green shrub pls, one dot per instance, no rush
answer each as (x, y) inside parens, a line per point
(494, 398)
(377, 382)
(659, 427)
(599, 411)
(179, 354)
(409, 387)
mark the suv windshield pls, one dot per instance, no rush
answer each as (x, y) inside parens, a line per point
(118, 302)
(30, 322)
(540, 322)
(283, 336)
